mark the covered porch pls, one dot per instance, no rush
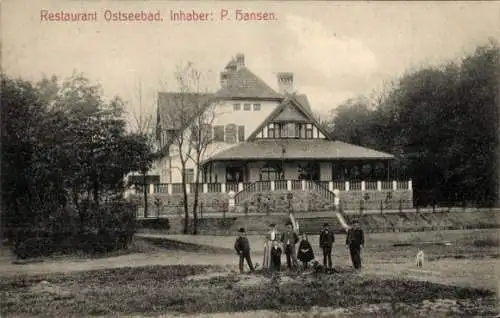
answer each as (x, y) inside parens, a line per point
(297, 159)
(243, 171)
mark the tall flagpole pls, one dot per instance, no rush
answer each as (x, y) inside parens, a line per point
(339, 216)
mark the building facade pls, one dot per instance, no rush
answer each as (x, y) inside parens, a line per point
(260, 134)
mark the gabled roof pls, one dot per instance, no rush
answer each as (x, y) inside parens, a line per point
(290, 113)
(302, 99)
(242, 83)
(297, 149)
(170, 103)
(290, 101)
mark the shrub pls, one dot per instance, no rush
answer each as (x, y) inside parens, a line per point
(489, 242)
(92, 230)
(154, 224)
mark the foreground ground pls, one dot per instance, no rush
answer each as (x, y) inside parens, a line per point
(463, 273)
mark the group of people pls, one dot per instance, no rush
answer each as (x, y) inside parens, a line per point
(275, 245)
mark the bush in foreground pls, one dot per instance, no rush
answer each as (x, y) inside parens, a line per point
(93, 230)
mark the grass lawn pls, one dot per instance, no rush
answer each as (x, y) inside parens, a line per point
(174, 289)
(388, 286)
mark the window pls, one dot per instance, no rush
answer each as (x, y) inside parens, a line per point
(256, 106)
(194, 133)
(207, 133)
(231, 134)
(302, 129)
(309, 131)
(271, 172)
(241, 133)
(270, 131)
(236, 107)
(219, 133)
(247, 107)
(189, 175)
(289, 130)
(309, 171)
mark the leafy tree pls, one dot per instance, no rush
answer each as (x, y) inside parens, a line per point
(62, 145)
(442, 125)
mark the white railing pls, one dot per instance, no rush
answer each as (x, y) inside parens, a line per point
(279, 185)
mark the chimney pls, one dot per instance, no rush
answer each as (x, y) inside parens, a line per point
(223, 79)
(231, 66)
(240, 60)
(285, 82)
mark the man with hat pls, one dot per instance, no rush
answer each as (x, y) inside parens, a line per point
(289, 239)
(326, 239)
(242, 247)
(354, 242)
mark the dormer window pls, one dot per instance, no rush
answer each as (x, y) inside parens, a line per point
(271, 131)
(309, 131)
(256, 107)
(236, 107)
(247, 107)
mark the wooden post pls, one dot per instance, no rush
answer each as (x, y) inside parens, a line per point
(400, 206)
(361, 206)
(381, 207)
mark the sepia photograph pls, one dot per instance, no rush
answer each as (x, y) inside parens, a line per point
(250, 159)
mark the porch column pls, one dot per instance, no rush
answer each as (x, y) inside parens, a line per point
(347, 185)
(205, 188)
(169, 188)
(289, 185)
(273, 186)
(188, 188)
(379, 185)
(410, 185)
(151, 188)
(330, 186)
(363, 186)
(223, 187)
(303, 183)
(394, 185)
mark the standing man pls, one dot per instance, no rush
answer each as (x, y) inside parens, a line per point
(326, 239)
(289, 239)
(242, 247)
(354, 242)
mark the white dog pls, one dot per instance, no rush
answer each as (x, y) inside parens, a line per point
(420, 259)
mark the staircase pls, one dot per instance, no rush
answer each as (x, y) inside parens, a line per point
(265, 186)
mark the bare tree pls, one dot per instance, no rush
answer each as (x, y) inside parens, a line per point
(190, 115)
(142, 124)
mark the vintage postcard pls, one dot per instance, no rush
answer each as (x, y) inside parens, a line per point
(249, 159)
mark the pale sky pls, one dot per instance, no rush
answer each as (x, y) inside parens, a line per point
(336, 50)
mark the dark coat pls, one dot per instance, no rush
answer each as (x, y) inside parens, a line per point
(289, 236)
(305, 253)
(242, 245)
(355, 238)
(326, 238)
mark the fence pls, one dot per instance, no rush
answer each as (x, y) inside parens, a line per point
(222, 209)
(276, 185)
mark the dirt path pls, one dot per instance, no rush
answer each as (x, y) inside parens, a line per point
(472, 273)
(480, 273)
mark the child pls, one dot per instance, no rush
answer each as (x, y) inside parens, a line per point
(242, 247)
(305, 254)
(275, 256)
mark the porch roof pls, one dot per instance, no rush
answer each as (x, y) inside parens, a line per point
(321, 149)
